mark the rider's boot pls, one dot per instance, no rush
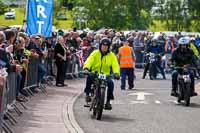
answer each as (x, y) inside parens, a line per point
(145, 71)
(164, 77)
(144, 75)
(88, 99)
(108, 106)
(193, 92)
(163, 74)
(174, 91)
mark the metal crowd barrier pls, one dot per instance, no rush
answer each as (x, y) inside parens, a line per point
(8, 93)
(2, 99)
(32, 72)
(12, 88)
(6, 100)
(8, 90)
(72, 67)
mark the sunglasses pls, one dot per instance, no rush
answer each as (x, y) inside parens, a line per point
(183, 44)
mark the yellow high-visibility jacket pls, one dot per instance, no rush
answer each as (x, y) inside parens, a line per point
(96, 62)
(194, 49)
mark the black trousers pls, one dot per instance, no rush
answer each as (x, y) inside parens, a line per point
(146, 68)
(60, 77)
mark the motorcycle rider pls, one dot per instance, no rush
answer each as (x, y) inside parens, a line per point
(155, 48)
(102, 60)
(182, 56)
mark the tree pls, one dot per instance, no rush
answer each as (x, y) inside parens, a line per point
(139, 10)
(2, 7)
(194, 11)
(118, 14)
(175, 14)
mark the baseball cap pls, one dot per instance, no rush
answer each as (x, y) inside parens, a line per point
(35, 36)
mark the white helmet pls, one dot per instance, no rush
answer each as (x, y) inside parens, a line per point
(192, 39)
(184, 41)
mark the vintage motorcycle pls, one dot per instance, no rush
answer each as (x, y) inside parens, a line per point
(97, 93)
(153, 66)
(184, 85)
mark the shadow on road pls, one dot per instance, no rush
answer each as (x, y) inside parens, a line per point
(111, 118)
(194, 105)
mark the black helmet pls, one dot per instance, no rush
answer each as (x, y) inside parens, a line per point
(105, 41)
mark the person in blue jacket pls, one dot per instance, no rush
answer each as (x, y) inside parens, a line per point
(155, 48)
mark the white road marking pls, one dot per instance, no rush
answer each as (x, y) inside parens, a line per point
(117, 102)
(140, 95)
(175, 101)
(138, 102)
(157, 102)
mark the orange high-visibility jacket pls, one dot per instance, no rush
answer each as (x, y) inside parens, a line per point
(167, 45)
(126, 57)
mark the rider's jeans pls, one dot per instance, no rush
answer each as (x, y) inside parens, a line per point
(110, 84)
(175, 81)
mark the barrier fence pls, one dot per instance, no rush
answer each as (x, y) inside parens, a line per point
(10, 89)
(32, 72)
(2, 98)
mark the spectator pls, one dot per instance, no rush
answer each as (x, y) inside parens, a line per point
(60, 56)
(34, 46)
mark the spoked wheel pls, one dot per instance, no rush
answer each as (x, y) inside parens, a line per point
(180, 93)
(100, 104)
(187, 95)
(151, 71)
(93, 107)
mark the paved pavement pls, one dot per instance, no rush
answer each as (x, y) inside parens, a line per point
(51, 113)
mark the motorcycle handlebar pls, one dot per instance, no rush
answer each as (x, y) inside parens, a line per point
(113, 76)
(149, 53)
(183, 67)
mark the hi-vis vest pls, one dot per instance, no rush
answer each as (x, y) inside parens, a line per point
(169, 46)
(126, 58)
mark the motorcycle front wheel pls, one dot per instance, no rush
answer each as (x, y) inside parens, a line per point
(100, 104)
(187, 92)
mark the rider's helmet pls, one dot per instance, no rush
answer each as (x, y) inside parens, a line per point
(184, 41)
(105, 41)
(154, 41)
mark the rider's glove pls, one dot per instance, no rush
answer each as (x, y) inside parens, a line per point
(86, 71)
(116, 76)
